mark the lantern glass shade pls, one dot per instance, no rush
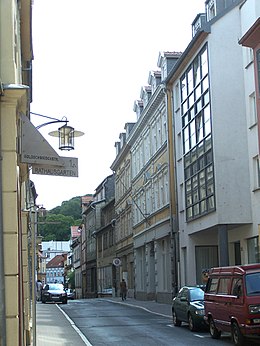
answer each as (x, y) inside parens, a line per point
(66, 138)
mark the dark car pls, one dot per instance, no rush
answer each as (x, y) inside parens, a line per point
(188, 306)
(70, 293)
(54, 293)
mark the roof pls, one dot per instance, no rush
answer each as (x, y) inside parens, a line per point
(57, 261)
(75, 232)
(86, 199)
(251, 37)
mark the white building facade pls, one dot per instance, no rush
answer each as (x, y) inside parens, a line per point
(216, 143)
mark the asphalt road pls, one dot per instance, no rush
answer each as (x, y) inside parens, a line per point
(104, 323)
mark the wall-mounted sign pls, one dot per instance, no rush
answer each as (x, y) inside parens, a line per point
(70, 168)
(116, 262)
(35, 148)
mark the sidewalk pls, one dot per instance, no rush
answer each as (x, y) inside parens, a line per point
(55, 329)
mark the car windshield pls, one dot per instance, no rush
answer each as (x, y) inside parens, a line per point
(56, 287)
(196, 294)
(253, 283)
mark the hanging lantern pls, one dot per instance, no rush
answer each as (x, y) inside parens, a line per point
(66, 136)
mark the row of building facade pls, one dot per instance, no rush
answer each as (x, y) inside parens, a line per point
(186, 176)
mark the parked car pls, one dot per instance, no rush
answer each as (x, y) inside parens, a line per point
(54, 293)
(70, 293)
(232, 302)
(188, 306)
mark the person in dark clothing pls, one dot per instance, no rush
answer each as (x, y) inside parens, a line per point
(123, 289)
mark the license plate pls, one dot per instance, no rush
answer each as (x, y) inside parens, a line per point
(256, 320)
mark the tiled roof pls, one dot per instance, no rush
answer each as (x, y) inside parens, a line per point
(57, 261)
(86, 199)
(75, 232)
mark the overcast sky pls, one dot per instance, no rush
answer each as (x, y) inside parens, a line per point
(91, 58)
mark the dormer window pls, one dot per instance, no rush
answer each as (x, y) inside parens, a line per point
(145, 94)
(164, 69)
(154, 85)
(198, 23)
(211, 9)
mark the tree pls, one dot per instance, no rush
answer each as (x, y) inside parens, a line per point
(71, 279)
(56, 225)
(69, 208)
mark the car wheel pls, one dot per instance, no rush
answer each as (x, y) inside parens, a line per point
(64, 302)
(176, 322)
(237, 337)
(191, 323)
(43, 300)
(214, 332)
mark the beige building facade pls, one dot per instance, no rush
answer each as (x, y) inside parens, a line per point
(15, 75)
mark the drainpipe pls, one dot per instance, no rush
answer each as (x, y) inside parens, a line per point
(2, 272)
(174, 224)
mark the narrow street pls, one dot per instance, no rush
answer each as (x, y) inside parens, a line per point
(100, 322)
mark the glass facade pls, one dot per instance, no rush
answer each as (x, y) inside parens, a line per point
(197, 140)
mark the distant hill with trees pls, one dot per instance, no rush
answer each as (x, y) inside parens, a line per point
(56, 225)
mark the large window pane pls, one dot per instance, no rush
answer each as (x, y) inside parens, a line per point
(196, 69)
(253, 250)
(206, 257)
(204, 63)
(197, 142)
(190, 80)
(183, 88)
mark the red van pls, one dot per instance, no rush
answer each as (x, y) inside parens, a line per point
(232, 302)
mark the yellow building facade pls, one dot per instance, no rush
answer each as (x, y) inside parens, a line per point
(15, 97)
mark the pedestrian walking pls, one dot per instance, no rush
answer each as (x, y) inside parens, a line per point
(123, 289)
(38, 290)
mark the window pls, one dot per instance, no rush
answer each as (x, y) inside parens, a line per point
(252, 110)
(176, 97)
(253, 250)
(258, 68)
(223, 286)
(206, 257)
(212, 286)
(249, 55)
(256, 163)
(252, 283)
(237, 287)
(196, 135)
(211, 9)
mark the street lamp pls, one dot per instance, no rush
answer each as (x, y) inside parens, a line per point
(65, 133)
(66, 136)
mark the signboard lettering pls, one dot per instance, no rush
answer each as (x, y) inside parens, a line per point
(70, 168)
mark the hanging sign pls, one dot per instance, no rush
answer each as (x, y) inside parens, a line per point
(70, 168)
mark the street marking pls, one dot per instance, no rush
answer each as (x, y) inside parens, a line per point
(139, 307)
(84, 339)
